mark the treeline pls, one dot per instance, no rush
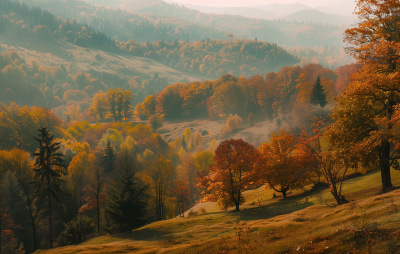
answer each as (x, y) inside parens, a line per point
(330, 57)
(213, 58)
(272, 94)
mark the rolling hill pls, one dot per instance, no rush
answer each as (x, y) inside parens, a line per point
(316, 16)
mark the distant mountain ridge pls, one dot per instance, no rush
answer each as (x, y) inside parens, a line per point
(284, 9)
(316, 16)
(242, 11)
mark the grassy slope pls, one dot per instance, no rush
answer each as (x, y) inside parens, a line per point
(277, 226)
(57, 52)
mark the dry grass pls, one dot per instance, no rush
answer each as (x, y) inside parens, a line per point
(277, 226)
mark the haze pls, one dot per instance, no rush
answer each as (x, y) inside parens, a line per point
(334, 6)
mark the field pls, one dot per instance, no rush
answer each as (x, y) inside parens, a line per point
(304, 222)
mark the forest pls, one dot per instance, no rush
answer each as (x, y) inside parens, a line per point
(94, 156)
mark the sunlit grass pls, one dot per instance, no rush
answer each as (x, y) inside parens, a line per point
(277, 226)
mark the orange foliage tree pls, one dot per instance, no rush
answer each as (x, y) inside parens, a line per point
(284, 164)
(363, 117)
(181, 191)
(235, 161)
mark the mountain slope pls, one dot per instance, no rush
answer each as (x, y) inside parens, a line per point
(316, 16)
(284, 9)
(241, 11)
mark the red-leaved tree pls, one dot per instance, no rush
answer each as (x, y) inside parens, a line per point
(235, 161)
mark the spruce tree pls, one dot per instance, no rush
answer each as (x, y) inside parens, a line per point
(127, 198)
(49, 164)
(109, 158)
(318, 95)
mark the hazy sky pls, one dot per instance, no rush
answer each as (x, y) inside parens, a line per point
(311, 3)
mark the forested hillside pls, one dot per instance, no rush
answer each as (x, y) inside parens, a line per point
(297, 33)
(125, 25)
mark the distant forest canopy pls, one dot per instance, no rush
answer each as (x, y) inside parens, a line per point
(278, 31)
(124, 25)
(153, 20)
(211, 58)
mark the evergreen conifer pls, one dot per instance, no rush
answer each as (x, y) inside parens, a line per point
(49, 164)
(127, 199)
(108, 158)
(318, 95)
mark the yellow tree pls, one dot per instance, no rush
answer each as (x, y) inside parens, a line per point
(161, 171)
(18, 161)
(79, 169)
(187, 172)
(100, 104)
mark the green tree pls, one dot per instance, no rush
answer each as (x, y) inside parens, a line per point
(318, 95)
(127, 199)
(49, 164)
(108, 158)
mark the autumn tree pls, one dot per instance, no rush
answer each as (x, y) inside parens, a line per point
(329, 163)
(155, 122)
(187, 172)
(100, 105)
(78, 173)
(181, 192)
(283, 165)
(362, 120)
(161, 171)
(235, 161)
(19, 163)
(48, 172)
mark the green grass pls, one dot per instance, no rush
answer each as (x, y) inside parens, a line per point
(277, 226)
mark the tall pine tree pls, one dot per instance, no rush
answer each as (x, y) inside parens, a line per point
(127, 198)
(108, 158)
(49, 165)
(318, 95)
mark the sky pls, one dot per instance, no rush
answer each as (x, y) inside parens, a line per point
(234, 3)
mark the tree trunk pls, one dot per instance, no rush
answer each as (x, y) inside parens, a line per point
(34, 234)
(237, 206)
(98, 214)
(50, 221)
(284, 193)
(385, 167)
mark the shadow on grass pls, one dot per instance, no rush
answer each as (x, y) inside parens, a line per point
(144, 234)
